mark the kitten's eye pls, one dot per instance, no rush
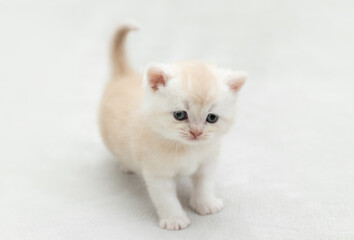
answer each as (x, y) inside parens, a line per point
(212, 118)
(180, 115)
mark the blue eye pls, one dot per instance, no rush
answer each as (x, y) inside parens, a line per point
(180, 115)
(212, 118)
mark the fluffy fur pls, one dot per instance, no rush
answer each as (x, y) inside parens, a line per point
(138, 126)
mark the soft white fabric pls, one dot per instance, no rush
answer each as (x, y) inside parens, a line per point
(287, 168)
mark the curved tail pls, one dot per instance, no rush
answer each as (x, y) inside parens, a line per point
(120, 64)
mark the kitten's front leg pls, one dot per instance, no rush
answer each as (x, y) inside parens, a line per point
(203, 199)
(162, 191)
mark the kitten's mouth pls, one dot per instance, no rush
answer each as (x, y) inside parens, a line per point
(194, 139)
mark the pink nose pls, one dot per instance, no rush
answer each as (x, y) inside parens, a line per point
(195, 133)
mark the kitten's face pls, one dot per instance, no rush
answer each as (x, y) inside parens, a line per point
(191, 102)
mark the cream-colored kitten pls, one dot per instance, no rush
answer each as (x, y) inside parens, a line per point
(168, 123)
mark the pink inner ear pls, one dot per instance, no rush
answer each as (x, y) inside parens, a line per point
(156, 79)
(236, 85)
(236, 80)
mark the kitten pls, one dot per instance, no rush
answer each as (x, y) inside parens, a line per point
(168, 123)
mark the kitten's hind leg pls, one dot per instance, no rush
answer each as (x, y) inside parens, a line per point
(126, 170)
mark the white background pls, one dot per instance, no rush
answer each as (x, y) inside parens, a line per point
(286, 169)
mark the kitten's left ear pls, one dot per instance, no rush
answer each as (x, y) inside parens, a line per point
(235, 80)
(157, 75)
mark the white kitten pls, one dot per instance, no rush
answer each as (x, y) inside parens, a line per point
(168, 123)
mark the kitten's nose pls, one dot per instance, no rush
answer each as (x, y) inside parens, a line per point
(195, 133)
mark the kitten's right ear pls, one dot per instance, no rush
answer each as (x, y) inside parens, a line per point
(157, 75)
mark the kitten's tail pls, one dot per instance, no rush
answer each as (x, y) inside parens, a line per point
(120, 65)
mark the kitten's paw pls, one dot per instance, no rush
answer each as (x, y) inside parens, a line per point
(207, 207)
(175, 223)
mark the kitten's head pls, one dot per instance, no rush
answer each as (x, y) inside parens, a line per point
(190, 102)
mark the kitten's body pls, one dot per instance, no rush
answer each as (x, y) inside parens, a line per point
(137, 125)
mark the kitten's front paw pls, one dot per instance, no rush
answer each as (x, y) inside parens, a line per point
(174, 223)
(207, 207)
